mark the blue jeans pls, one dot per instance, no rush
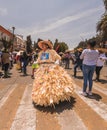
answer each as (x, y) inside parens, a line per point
(88, 72)
(24, 67)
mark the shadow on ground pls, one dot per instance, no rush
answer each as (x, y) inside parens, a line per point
(24, 75)
(103, 81)
(79, 77)
(1, 74)
(58, 108)
(95, 96)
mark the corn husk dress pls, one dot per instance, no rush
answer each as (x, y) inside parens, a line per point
(52, 84)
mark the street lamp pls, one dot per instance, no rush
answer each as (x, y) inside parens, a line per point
(13, 29)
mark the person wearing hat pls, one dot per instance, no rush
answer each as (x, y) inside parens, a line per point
(52, 84)
(78, 61)
(67, 59)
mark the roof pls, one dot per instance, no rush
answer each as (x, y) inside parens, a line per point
(2, 29)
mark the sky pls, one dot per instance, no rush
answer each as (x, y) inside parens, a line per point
(70, 21)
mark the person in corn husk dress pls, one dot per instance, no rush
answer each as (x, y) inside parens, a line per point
(52, 84)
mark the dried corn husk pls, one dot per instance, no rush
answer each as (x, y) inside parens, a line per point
(52, 84)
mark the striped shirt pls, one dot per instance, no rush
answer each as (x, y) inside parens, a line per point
(89, 56)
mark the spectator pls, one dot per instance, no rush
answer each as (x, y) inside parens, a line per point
(89, 57)
(78, 61)
(5, 62)
(67, 59)
(24, 62)
(34, 67)
(11, 60)
(100, 64)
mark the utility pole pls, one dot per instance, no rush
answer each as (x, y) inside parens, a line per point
(13, 29)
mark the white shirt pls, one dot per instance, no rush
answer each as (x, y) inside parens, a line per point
(101, 59)
(89, 56)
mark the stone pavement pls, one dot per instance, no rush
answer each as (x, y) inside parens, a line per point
(82, 113)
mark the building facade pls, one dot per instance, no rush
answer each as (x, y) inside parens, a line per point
(4, 34)
(20, 43)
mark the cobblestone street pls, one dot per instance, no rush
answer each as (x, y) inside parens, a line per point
(17, 111)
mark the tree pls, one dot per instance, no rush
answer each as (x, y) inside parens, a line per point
(83, 44)
(63, 47)
(102, 27)
(56, 44)
(60, 46)
(29, 45)
(6, 44)
(102, 24)
(105, 4)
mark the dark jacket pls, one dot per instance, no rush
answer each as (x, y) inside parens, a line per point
(77, 58)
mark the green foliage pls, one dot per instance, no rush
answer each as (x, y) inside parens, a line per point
(102, 27)
(102, 24)
(29, 45)
(56, 44)
(83, 44)
(60, 46)
(105, 4)
(6, 44)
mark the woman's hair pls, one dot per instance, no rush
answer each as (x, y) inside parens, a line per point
(92, 43)
(24, 54)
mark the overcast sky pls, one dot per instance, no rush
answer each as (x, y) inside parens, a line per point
(67, 20)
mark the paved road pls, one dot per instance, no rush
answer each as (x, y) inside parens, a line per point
(18, 113)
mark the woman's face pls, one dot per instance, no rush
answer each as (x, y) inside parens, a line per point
(44, 47)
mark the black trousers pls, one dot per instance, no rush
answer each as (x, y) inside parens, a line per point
(6, 67)
(75, 68)
(98, 70)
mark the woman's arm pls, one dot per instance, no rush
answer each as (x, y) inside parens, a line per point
(55, 55)
(103, 58)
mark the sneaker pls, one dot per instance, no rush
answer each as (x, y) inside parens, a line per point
(84, 94)
(97, 80)
(90, 93)
(32, 76)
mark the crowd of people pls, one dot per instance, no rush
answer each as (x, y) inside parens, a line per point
(89, 60)
(51, 82)
(20, 59)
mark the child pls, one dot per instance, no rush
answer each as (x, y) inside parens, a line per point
(34, 67)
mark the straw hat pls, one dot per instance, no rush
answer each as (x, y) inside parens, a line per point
(61, 53)
(102, 50)
(80, 49)
(45, 42)
(67, 51)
